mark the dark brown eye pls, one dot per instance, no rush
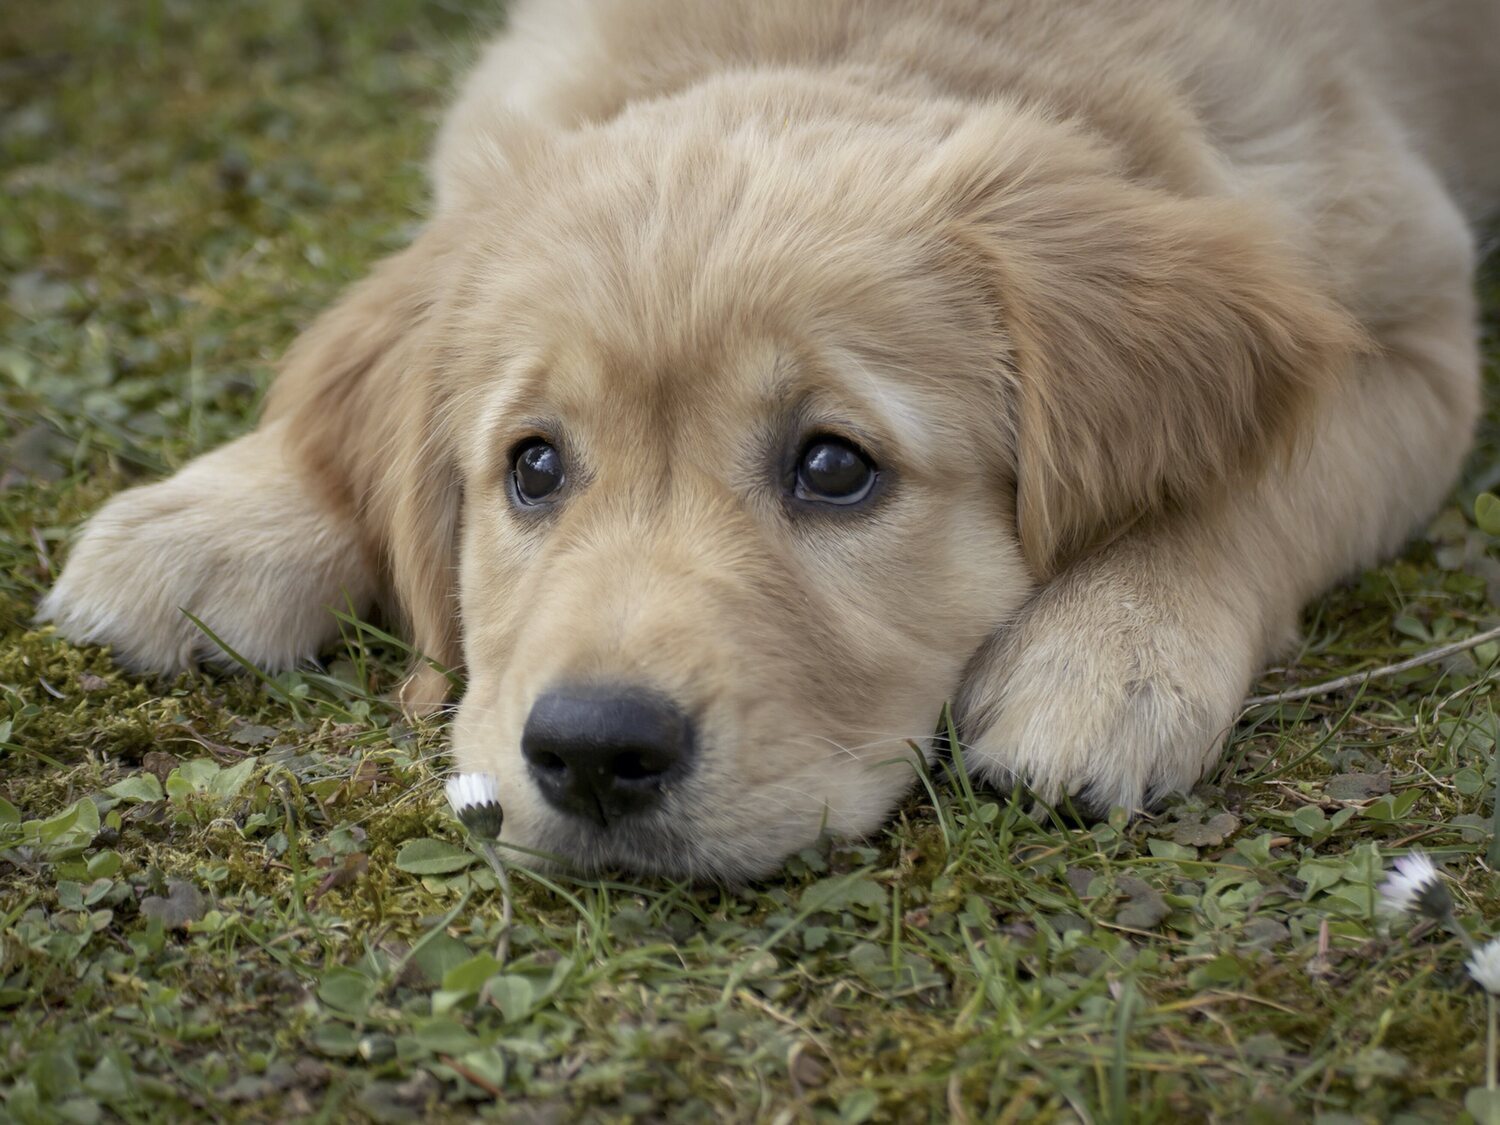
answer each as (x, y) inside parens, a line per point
(538, 471)
(834, 471)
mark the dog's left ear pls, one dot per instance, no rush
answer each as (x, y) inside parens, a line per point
(366, 423)
(1158, 343)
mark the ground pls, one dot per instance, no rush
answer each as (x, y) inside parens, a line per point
(244, 899)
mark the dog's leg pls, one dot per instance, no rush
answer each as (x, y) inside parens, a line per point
(239, 538)
(1124, 676)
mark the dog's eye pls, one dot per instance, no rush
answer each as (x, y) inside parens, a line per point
(833, 471)
(538, 471)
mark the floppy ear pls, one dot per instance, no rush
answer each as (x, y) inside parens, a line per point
(357, 389)
(1159, 343)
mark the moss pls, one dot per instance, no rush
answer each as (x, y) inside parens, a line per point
(184, 185)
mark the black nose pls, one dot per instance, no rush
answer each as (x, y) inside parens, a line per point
(606, 752)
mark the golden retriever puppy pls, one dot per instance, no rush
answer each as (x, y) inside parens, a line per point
(771, 371)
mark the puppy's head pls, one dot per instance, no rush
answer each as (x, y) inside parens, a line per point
(718, 439)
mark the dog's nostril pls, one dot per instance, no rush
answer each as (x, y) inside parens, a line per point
(604, 751)
(633, 767)
(549, 762)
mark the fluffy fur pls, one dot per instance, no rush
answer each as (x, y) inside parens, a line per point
(1157, 317)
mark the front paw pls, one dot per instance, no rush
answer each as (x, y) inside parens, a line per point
(138, 564)
(1114, 688)
(236, 540)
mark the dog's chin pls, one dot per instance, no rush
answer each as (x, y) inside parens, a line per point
(717, 827)
(662, 845)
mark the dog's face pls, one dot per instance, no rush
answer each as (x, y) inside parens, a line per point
(737, 509)
(710, 601)
(732, 439)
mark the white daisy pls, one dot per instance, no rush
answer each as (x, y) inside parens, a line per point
(475, 798)
(1484, 966)
(1415, 885)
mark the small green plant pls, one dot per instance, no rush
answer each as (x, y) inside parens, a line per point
(242, 899)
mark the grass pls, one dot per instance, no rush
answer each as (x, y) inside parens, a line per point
(228, 898)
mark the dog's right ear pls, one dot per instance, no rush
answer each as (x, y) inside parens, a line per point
(1161, 345)
(358, 392)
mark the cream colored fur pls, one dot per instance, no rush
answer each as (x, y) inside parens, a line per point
(1157, 317)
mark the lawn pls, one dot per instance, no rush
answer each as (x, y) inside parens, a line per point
(230, 898)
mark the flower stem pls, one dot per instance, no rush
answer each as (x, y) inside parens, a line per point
(1489, 1058)
(1450, 923)
(507, 908)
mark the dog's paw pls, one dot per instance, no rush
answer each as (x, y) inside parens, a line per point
(1112, 689)
(236, 541)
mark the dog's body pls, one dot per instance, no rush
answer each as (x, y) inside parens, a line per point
(1143, 321)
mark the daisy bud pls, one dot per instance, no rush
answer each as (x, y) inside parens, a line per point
(1484, 966)
(475, 798)
(1416, 886)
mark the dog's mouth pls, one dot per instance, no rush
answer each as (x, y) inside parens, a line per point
(654, 846)
(698, 827)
